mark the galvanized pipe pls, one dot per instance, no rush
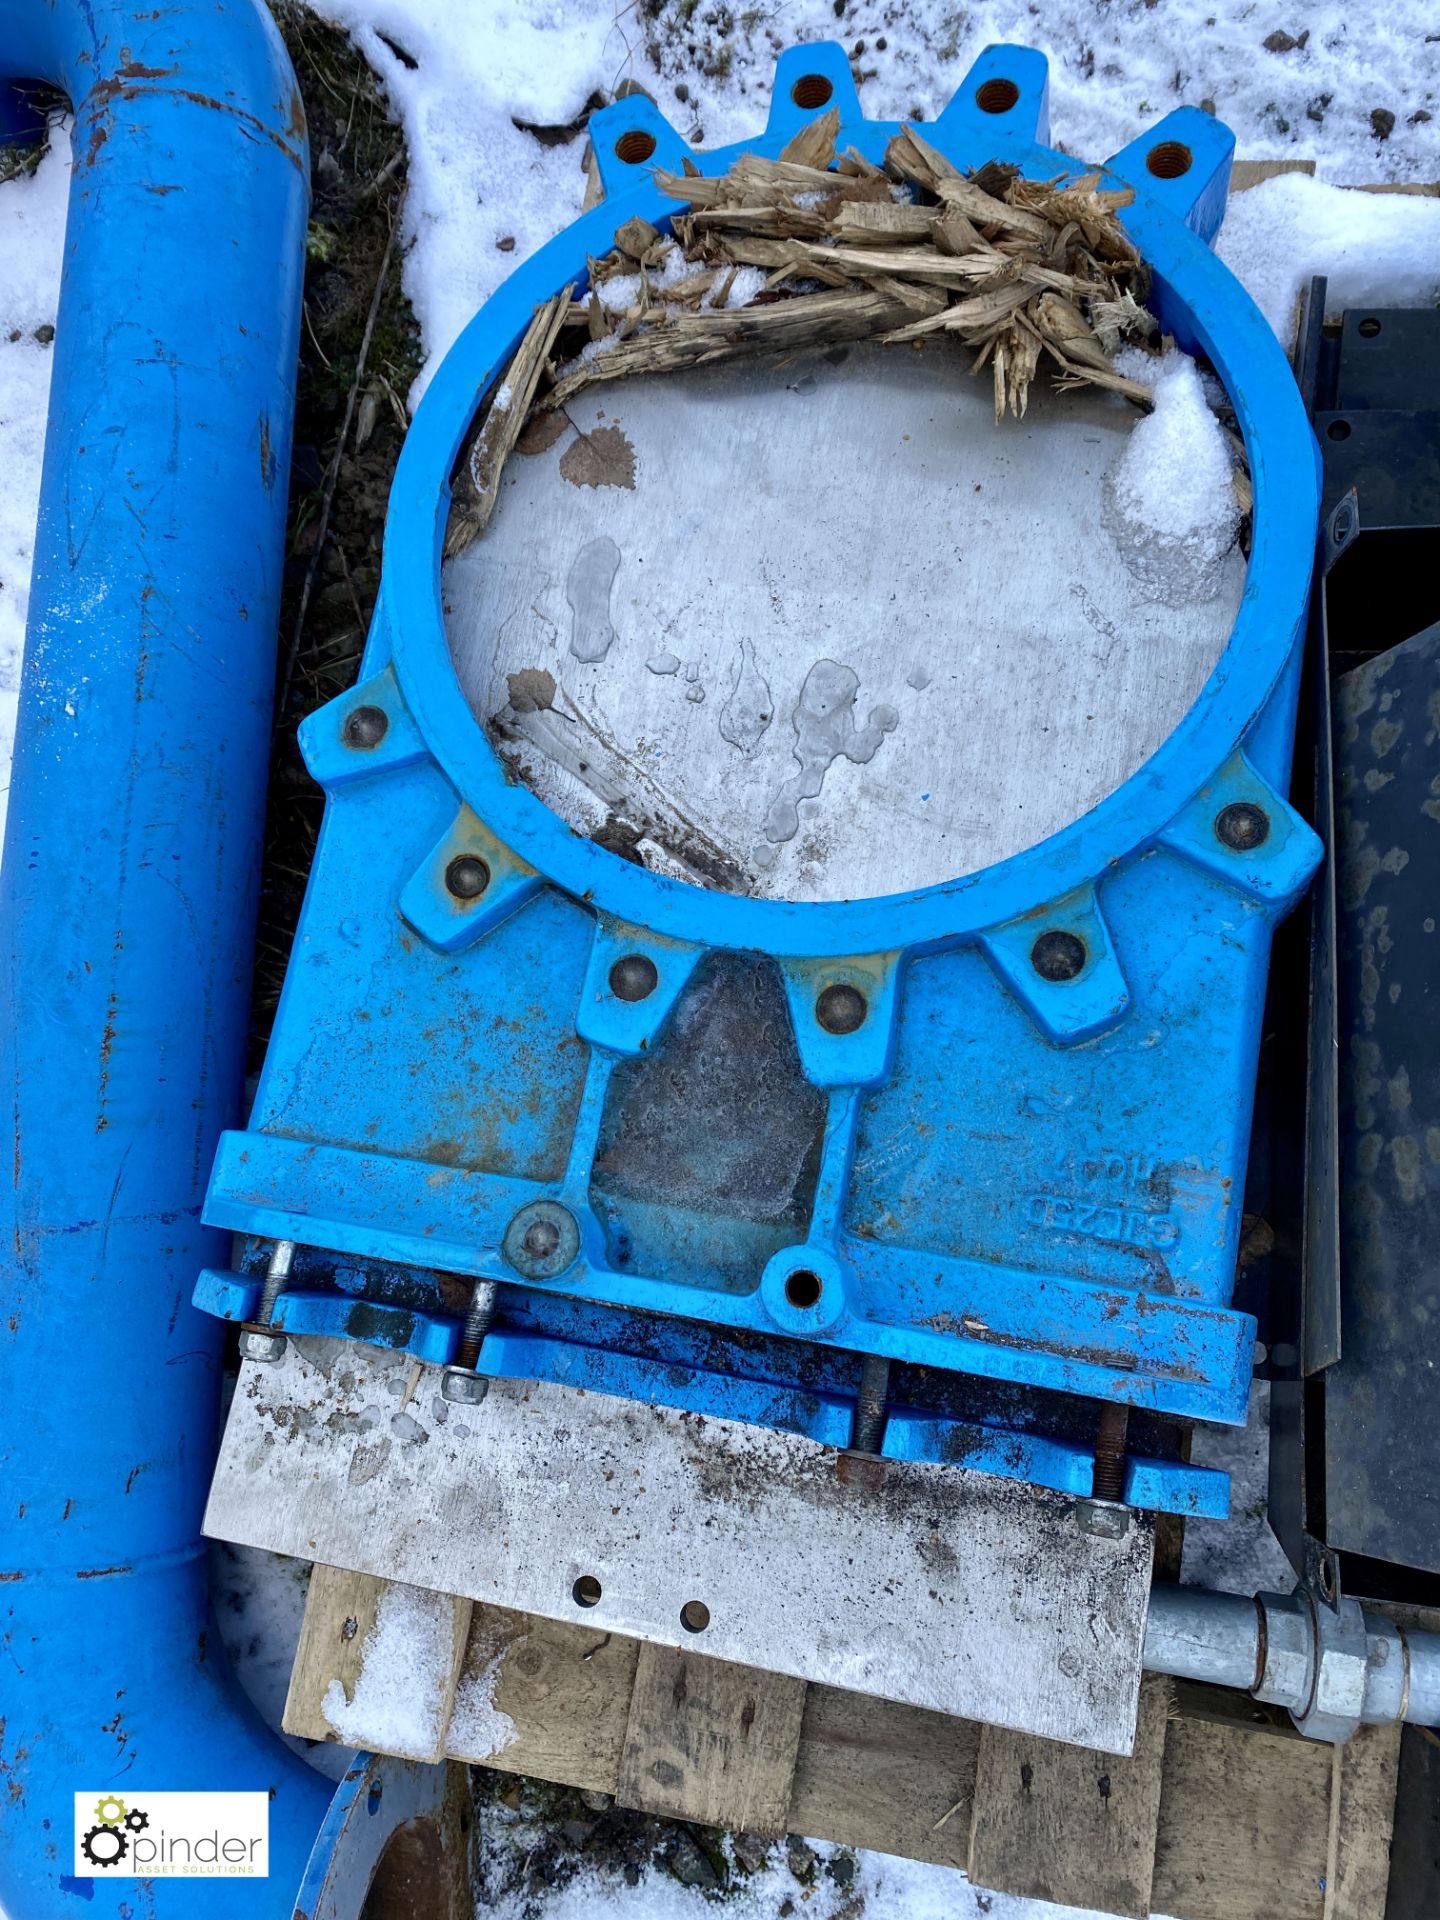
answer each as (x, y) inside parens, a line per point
(1333, 1668)
(1198, 1635)
(127, 910)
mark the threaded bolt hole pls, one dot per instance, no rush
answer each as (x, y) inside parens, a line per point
(804, 1288)
(997, 96)
(635, 147)
(1169, 160)
(811, 90)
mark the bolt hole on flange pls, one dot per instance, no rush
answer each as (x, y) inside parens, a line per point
(841, 1008)
(634, 976)
(1170, 160)
(1058, 955)
(586, 1591)
(694, 1616)
(366, 727)
(1242, 825)
(467, 876)
(804, 1288)
(811, 90)
(1338, 430)
(997, 96)
(1369, 327)
(635, 147)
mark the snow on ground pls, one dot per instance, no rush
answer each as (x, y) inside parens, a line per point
(484, 193)
(808, 1879)
(32, 232)
(1374, 249)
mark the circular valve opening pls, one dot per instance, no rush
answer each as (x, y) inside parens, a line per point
(817, 628)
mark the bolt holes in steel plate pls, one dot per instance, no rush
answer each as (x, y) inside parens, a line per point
(694, 1616)
(586, 1591)
(997, 96)
(1338, 430)
(635, 146)
(803, 1288)
(1369, 327)
(810, 91)
(1169, 160)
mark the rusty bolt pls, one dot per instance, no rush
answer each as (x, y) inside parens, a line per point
(841, 1008)
(1109, 1480)
(1242, 826)
(366, 727)
(634, 977)
(467, 876)
(1058, 955)
(477, 1321)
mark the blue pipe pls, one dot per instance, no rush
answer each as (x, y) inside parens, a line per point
(127, 912)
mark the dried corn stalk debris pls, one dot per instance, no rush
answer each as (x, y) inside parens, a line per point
(813, 249)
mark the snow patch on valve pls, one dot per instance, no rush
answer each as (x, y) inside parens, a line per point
(1170, 503)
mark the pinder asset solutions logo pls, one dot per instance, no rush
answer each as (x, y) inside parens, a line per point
(172, 1836)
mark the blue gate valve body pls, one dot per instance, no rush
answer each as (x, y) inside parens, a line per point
(464, 1054)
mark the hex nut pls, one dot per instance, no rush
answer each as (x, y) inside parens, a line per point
(255, 1344)
(460, 1385)
(1102, 1519)
(1286, 1679)
(1340, 1674)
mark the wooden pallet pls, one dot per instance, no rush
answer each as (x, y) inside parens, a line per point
(1223, 1813)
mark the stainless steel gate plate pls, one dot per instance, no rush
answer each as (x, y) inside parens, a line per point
(931, 1585)
(734, 535)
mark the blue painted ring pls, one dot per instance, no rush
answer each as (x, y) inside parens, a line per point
(1194, 292)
